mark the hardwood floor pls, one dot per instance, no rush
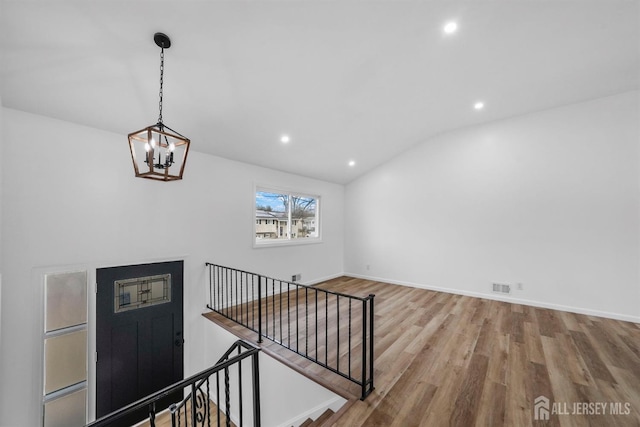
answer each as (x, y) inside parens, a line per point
(451, 360)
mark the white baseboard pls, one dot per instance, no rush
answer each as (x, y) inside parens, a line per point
(323, 279)
(514, 300)
(334, 404)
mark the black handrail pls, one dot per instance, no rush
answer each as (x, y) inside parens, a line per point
(332, 329)
(199, 411)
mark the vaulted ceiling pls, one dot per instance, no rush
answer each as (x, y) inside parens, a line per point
(347, 81)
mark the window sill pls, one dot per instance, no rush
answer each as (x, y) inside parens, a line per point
(282, 243)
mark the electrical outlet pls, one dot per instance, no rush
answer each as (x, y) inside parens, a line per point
(296, 277)
(520, 286)
(368, 267)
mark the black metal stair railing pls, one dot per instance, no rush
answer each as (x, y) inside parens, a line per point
(332, 329)
(196, 408)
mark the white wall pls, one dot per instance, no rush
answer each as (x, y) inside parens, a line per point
(1, 192)
(71, 201)
(549, 200)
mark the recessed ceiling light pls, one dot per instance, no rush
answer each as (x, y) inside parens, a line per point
(478, 105)
(450, 27)
(285, 139)
(352, 163)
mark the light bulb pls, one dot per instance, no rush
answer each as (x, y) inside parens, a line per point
(147, 147)
(172, 147)
(153, 143)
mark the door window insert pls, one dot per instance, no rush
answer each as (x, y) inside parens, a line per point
(140, 292)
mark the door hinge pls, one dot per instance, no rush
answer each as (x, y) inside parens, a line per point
(96, 287)
(96, 357)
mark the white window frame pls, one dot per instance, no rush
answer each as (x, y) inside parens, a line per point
(266, 243)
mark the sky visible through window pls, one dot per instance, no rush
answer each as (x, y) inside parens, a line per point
(276, 202)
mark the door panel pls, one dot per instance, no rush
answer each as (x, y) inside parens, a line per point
(138, 335)
(124, 364)
(161, 343)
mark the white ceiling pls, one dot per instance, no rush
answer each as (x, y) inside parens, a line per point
(361, 80)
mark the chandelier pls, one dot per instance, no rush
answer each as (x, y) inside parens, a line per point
(159, 152)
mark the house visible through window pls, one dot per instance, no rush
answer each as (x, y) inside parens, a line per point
(288, 217)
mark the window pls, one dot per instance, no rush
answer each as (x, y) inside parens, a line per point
(289, 218)
(142, 292)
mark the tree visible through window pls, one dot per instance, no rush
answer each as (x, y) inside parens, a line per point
(287, 217)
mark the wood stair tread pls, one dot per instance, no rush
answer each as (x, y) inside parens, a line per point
(320, 421)
(322, 418)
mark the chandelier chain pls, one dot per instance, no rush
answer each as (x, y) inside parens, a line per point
(161, 83)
